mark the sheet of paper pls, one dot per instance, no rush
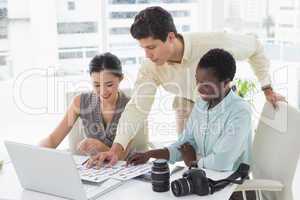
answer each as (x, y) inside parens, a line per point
(120, 171)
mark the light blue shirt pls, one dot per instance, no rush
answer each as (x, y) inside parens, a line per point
(221, 136)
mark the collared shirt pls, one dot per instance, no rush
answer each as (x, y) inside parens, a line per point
(179, 78)
(221, 136)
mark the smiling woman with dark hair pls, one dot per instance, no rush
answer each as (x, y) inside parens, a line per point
(100, 110)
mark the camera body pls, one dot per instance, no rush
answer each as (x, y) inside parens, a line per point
(194, 181)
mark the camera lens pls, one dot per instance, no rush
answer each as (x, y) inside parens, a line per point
(160, 176)
(181, 187)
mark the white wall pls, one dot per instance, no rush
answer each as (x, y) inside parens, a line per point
(78, 40)
(4, 46)
(18, 9)
(20, 45)
(32, 32)
(44, 32)
(217, 15)
(80, 13)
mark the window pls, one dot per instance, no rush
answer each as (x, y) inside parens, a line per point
(78, 52)
(148, 1)
(122, 1)
(277, 26)
(141, 59)
(286, 25)
(118, 34)
(185, 28)
(3, 29)
(128, 61)
(290, 52)
(121, 45)
(3, 12)
(70, 55)
(77, 27)
(180, 13)
(286, 8)
(3, 23)
(122, 15)
(3, 60)
(71, 5)
(90, 54)
(178, 1)
(287, 3)
(119, 31)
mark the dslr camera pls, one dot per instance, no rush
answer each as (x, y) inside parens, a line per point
(195, 181)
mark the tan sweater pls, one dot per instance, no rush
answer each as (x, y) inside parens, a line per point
(179, 79)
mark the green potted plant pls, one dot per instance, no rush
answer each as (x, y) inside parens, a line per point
(246, 88)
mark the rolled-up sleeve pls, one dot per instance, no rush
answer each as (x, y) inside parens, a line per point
(186, 136)
(249, 47)
(136, 111)
(260, 64)
(231, 145)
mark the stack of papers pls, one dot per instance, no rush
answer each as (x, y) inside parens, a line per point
(120, 171)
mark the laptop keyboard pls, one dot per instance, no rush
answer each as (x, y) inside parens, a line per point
(119, 171)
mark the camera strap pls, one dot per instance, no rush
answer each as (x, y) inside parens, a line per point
(238, 177)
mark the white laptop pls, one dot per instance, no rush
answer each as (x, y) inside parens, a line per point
(53, 172)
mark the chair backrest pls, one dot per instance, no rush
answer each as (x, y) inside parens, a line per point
(77, 133)
(276, 148)
(140, 141)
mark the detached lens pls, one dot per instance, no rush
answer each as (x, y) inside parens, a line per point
(160, 176)
(181, 187)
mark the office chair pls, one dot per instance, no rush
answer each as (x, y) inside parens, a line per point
(276, 149)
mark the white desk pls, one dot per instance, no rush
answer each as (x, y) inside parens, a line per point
(10, 188)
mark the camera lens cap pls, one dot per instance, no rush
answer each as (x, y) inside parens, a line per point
(160, 162)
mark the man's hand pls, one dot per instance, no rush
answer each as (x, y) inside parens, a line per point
(98, 160)
(138, 158)
(111, 157)
(188, 153)
(273, 97)
(89, 146)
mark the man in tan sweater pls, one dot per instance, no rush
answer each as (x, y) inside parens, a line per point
(172, 62)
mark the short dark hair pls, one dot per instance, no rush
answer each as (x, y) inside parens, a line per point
(221, 62)
(153, 22)
(106, 61)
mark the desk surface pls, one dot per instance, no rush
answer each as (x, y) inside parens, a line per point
(133, 189)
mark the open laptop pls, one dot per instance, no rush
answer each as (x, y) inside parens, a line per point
(53, 172)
